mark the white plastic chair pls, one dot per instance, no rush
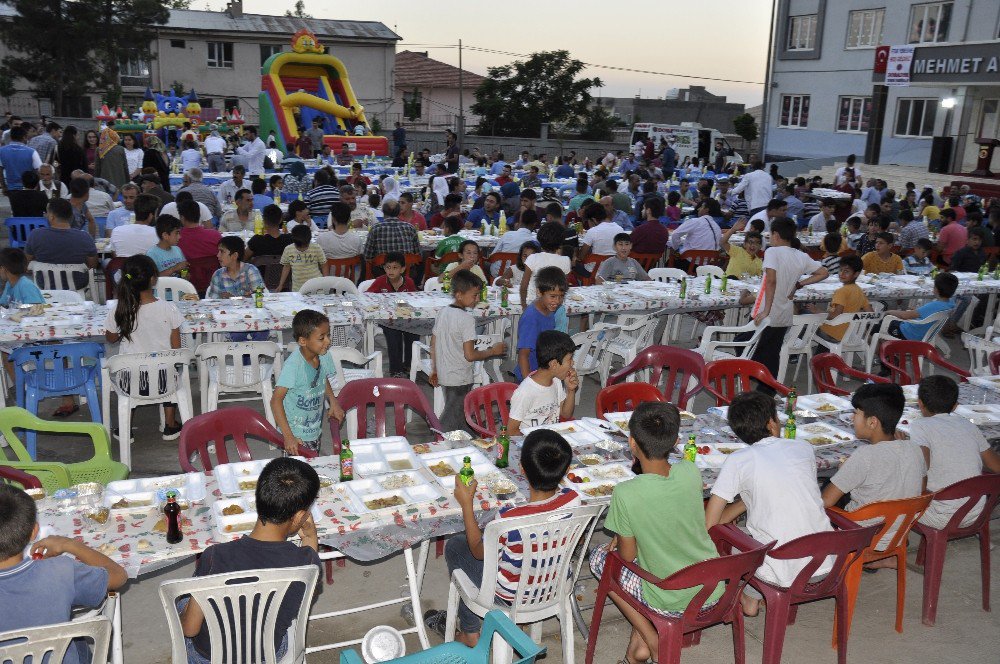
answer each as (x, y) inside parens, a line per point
(799, 342)
(546, 584)
(635, 332)
(50, 642)
(59, 276)
(243, 613)
(665, 274)
(860, 327)
(173, 288)
(329, 286)
(367, 366)
(237, 367)
(714, 270)
(591, 356)
(365, 285)
(936, 321)
(432, 284)
(111, 609)
(129, 376)
(710, 344)
(979, 353)
(62, 297)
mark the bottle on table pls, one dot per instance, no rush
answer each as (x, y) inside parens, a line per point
(790, 427)
(258, 297)
(466, 475)
(708, 284)
(505, 296)
(172, 513)
(445, 282)
(790, 402)
(503, 448)
(258, 223)
(684, 288)
(483, 293)
(346, 462)
(725, 283)
(982, 271)
(691, 449)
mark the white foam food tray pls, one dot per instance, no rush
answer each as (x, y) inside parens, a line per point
(619, 420)
(231, 313)
(191, 486)
(236, 525)
(598, 481)
(378, 456)
(453, 460)
(364, 494)
(823, 404)
(821, 434)
(980, 414)
(716, 455)
(990, 382)
(230, 475)
(576, 432)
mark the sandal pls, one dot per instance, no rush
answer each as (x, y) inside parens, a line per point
(65, 411)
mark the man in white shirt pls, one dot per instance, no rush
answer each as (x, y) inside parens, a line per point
(215, 151)
(775, 208)
(599, 240)
(49, 185)
(847, 173)
(511, 241)
(121, 216)
(419, 177)
(228, 189)
(254, 151)
(700, 233)
(190, 156)
(201, 192)
(131, 239)
(203, 210)
(757, 188)
(99, 203)
(818, 223)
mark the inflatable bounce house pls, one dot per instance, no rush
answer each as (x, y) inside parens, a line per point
(165, 114)
(306, 83)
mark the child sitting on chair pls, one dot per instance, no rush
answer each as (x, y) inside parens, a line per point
(548, 394)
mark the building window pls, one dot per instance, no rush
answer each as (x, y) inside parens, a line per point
(801, 33)
(177, 43)
(133, 70)
(220, 55)
(915, 117)
(412, 104)
(229, 103)
(929, 23)
(854, 113)
(267, 50)
(864, 28)
(794, 111)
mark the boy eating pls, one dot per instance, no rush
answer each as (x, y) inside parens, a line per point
(166, 254)
(847, 299)
(621, 267)
(548, 393)
(538, 317)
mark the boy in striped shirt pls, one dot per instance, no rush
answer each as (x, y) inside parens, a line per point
(545, 458)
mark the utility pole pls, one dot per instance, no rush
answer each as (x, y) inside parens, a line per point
(461, 101)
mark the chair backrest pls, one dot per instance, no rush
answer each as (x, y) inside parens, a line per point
(348, 268)
(647, 261)
(625, 396)
(680, 369)
(57, 276)
(936, 323)
(711, 339)
(270, 270)
(502, 260)
(898, 515)
(699, 257)
(19, 228)
(827, 366)
(547, 541)
(241, 611)
(25, 480)
(487, 405)
(980, 349)
(62, 297)
(239, 365)
(972, 491)
(727, 378)
(432, 284)
(666, 274)
(860, 326)
(342, 354)
(50, 642)
(365, 285)
(905, 360)
(329, 286)
(173, 288)
(713, 270)
(214, 429)
(590, 347)
(55, 368)
(379, 393)
(154, 374)
(995, 362)
(200, 270)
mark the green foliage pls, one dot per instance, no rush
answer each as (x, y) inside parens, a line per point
(597, 124)
(515, 99)
(411, 105)
(745, 127)
(178, 88)
(300, 10)
(375, 125)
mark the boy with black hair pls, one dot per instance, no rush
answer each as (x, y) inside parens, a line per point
(548, 393)
(166, 254)
(887, 469)
(882, 259)
(848, 299)
(545, 458)
(831, 252)
(42, 591)
(970, 257)
(303, 259)
(286, 490)
(538, 317)
(742, 259)
(945, 285)
(919, 261)
(954, 448)
(449, 244)
(621, 267)
(304, 382)
(775, 480)
(453, 349)
(272, 241)
(398, 343)
(661, 541)
(16, 286)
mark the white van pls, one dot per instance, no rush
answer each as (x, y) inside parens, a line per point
(689, 139)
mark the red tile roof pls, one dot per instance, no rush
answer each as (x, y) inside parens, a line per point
(417, 70)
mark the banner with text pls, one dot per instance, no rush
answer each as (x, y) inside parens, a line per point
(897, 71)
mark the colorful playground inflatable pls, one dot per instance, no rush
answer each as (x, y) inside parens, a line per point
(306, 83)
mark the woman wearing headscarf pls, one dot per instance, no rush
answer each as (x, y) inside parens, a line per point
(112, 162)
(390, 189)
(154, 156)
(70, 155)
(440, 189)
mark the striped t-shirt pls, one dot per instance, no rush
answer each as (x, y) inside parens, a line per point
(511, 547)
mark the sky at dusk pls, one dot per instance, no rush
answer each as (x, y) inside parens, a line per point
(721, 39)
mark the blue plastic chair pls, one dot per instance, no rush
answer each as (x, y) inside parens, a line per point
(19, 228)
(495, 624)
(101, 223)
(48, 370)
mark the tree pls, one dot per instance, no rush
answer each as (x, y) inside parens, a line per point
(598, 124)
(300, 10)
(515, 99)
(745, 127)
(126, 31)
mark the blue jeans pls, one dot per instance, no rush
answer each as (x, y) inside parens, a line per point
(458, 555)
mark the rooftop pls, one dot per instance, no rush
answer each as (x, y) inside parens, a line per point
(416, 69)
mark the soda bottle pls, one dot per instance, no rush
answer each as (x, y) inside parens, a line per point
(445, 282)
(725, 283)
(346, 462)
(503, 448)
(982, 272)
(684, 288)
(258, 297)
(790, 427)
(258, 223)
(790, 402)
(172, 512)
(184, 273)
(504, 296)
(708, 284)
(483, 293)
(466, 475)
(690, 449)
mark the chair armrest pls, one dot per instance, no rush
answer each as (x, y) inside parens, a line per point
(497, 623)
(40, 469)
(728, 537)
(940, 361)
(884, 325)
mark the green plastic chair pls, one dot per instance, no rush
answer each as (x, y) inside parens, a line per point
(53, 475)
(496, 623)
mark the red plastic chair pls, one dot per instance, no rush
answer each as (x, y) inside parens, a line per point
(410, 259)
(403, 394)
(826, 367)
(844, 544)
(485, 404)
(434, 265)
(592, 263)
(348, 268)
(647, 261)
(903, 359)
(721, 376)
(697, 258)
(201, 271)
(935, 541)
(625, 396)
(13, 475)
(110, 270)
(502, 260)
(214, 428)
(679, 367)
(995, 362)
(673, 633)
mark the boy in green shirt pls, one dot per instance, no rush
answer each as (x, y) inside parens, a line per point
(662, 541)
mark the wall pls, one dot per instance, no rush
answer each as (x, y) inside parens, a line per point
(439, 109)
(711, 114)
(511, 147)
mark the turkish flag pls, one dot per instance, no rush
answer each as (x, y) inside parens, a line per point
(881, 59)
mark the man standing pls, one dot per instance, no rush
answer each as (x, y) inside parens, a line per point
(15, 159)
(228, 189)
(316, 135)
(451, 154)
(398, 138)
(215, 151)
(200, 192)
(254, 151)
(757, 187)
(45, 143)
(668, 159)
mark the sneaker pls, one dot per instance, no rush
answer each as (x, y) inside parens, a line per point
(171, 433)
(435, 621)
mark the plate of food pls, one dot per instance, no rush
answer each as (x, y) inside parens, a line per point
(980, 414)
(576, 432)
(824, 404)
(910, 393)
(378, 456)
(821, 434)
(619, 420)
(909, 415)
(444, 466)
(370, 495)
(597, 481)
(712, 455)
(235, 517)
(238, 478)
(232, 314)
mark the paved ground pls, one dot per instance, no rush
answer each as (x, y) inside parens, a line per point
(964, 633)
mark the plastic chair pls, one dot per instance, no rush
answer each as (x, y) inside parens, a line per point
(100, 467)
(591, 356)
(173, 288)
(844, 545)
(696, 258)
(62, 297)
(935, 322)
(897, 516)
(112, 272)
(409, 259)
(50, 642)
(856, 339)
(46, 370)
(724, 379)
(904, 359)
(681, 370)
(625, 397)
(672, 633)
(378, 393)
(19, 228)
(367, 366)
(241, 609)
(433, 265)
(545, 586)
(934, 542)
(980, 353)
(714, 270)
(201, 270)
(237, 368)
(712, 340)
(798, 342)
(826, 367)
(270, 270)
(24, 480)
(666, 274)
(329, 286)
(635, 331)
(432, 284)
(487, 405)
(129, 376)
(592, 263)
(365, 285)
(348, 268)
(496, 624)
(502, 261)
(647, 261)
(206, 434)
(102, 224)
(57, 276)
